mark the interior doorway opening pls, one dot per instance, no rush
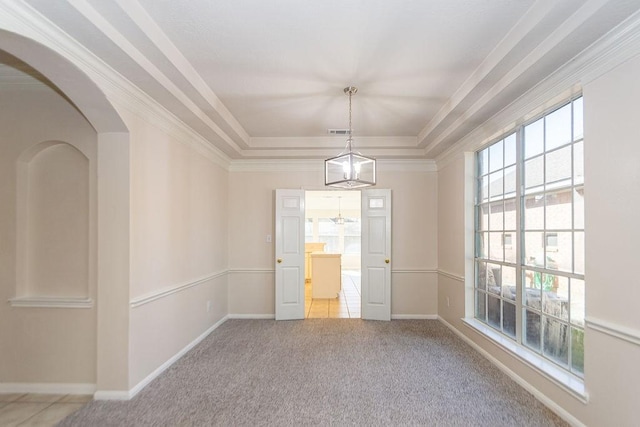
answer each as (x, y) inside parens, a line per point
(333, 231)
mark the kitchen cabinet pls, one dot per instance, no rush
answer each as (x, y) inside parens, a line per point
(309, 248)
(326, 279)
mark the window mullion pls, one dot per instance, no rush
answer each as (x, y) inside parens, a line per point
(519, 228)
(543, 288)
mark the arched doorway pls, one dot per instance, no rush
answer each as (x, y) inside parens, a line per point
(33, 323)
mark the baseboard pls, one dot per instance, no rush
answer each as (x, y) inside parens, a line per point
(48, 388)
(111, 395)
(126, 395)
(517, 378)
(414, 317)
(252, 316)
(393, 316)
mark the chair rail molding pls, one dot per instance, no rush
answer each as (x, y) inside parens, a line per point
(153, 296)
(620, 332)
(50, 302)
(451, 275)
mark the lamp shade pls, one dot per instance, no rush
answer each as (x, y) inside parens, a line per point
(350, 170)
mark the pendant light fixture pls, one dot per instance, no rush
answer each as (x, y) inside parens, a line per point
(340, 219)
(350, 169)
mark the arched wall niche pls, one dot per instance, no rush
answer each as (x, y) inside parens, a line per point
(53, 223)
(80, 84)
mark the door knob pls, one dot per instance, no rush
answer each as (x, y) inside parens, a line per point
(279, 260)
(387, 261)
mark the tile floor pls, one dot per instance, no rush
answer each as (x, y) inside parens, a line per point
(41, 410)
(347, 305)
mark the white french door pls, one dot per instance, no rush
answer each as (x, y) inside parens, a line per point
(289, 252)
(376, 254)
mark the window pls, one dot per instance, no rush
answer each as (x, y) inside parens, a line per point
(352, 236)
(308, 229)
(551, 242)
(529, 236)
(328, 233)
(339, 238)
(507, 240)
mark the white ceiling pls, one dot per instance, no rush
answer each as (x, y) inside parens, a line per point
(265, 79)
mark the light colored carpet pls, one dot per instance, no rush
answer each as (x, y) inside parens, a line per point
(327, 372)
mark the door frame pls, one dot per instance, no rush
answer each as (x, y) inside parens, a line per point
(302, 280)
(289, 254)
(376, 254)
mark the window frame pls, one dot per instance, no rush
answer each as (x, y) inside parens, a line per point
(484, 197)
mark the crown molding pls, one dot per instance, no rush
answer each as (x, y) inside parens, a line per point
(333, 142)
(613, 49)
(109, 31)
(277, 165)
(407, 165)
(164, 44)
(324, 153)
(157, 116)
(608, 52)
(22, 19)
(525, 27)
(317, 165)
(556, 44)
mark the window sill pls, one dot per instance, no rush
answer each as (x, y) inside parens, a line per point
(548, 369)
(51, 302)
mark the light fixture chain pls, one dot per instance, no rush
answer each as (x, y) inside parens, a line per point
(350, 129)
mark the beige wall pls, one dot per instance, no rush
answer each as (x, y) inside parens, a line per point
(612, 202)
(45, 345)
(451, 217)
(178, 245)
(251, 219)
(113, 262)
(451, 241)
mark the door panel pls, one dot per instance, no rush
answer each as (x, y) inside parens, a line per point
(376, 254)
(291, 291)
(289, 252)
(377, 284)
(290, 234)
(377, 235)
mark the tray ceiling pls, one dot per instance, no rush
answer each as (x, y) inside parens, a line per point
(262, 79)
